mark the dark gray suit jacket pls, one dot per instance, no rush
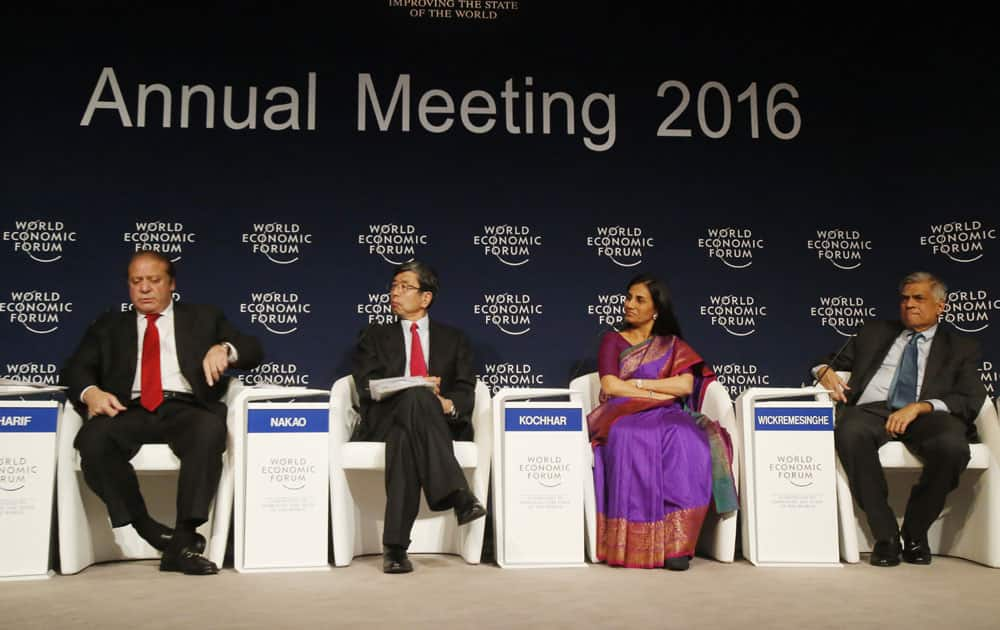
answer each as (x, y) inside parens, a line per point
(951, 374)
(107, 355)
(381, 353)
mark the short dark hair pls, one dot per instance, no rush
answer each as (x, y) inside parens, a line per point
(155, 255)
(426, 276)
(666, 320)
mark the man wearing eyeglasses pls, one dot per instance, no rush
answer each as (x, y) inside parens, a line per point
(417, 424)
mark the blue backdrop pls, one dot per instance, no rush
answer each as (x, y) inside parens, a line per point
(781, 175)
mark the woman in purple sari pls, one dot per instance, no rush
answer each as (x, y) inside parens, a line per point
(657, 460)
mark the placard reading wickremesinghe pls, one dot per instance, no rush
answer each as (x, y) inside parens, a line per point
(795, 480)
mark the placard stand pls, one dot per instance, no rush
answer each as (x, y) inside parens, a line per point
(282, 482)
(27, 482)
(789, 489)
(539, 454)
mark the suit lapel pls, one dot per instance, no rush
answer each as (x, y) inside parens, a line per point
(183, 320)
(939, 350)
(396, 349)
(439, 347)
(128, 340)
(876, 360)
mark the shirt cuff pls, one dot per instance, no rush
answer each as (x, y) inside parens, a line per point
(233, 356)
(85, 389)
(938, 405)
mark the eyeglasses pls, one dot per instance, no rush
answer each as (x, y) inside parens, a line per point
(402, 287)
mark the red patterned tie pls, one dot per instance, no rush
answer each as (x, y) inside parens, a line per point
(418, 367)
(152, 387)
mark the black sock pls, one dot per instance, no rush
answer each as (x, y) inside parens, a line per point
(184, 534)
(148, 527)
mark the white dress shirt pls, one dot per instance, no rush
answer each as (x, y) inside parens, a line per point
(878, 388)
(423, 331)
(170, 367)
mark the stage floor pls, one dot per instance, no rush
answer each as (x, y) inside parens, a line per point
(444, 592)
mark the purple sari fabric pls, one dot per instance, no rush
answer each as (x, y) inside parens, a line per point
(653, 463)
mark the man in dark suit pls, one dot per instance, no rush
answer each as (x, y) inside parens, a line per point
(155, 375)
(417, 424)
(915, 381)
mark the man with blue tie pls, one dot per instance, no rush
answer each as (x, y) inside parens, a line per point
(915, 381)
(417, 424)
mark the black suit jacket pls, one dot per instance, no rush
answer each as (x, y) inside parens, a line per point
(381, 353)
(108, 353)
(950, 374)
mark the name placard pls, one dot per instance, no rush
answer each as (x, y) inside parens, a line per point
(543, 485)
(287, 483)
(795, 483)
(27, 480)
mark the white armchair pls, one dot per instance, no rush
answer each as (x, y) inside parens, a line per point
(969, 525)
(718, 533)
(85, 533)
(357, 486)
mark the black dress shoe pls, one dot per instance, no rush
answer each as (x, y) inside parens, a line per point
(885, 553)
(187, 561)
(473, 510)
(916, 551)
(395, 560)
(682, 563)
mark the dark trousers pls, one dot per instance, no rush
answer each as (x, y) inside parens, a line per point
(938, 439)
(194, 434)
(418, 454)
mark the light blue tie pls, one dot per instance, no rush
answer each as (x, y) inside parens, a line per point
(904, 389)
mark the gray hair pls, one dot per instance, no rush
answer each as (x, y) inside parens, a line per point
(938, 287)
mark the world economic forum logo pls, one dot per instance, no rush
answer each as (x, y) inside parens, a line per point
(737, 377)
(969, 310)
(395, 243)
(38, 311)
(42, 241)
(990, 377)
(34, 373)
(278, 312)
(16, 471)
(843, 313)
(623, 245)
(607, 309)
(738, 315)
(377, 309)
(281, 243)
(512, 313)
(278, 374)
(843, 248)
(291, 473)
(497, 376)
(733, 246)
(510, 244)
(168, 238)
(960, 241)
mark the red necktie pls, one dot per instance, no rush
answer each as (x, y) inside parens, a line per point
(418, 367)
(152, 387)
